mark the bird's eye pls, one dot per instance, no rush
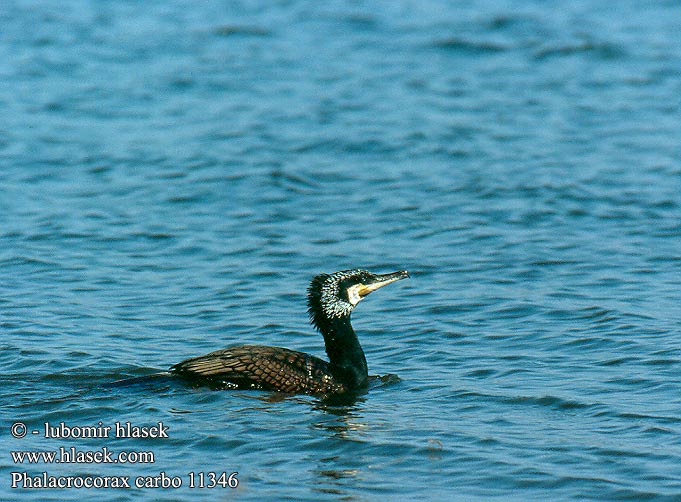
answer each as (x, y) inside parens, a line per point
(344, 285)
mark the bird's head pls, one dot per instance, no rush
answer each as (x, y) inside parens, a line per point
(334, 296)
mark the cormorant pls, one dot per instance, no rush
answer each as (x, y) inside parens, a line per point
(331, 299)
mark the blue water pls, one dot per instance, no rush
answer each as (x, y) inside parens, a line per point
(173, 174)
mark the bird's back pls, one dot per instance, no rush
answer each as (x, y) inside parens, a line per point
(261, 367)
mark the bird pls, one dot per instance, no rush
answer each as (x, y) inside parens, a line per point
(331, 298)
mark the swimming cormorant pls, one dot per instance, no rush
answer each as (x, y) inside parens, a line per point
(331, 299)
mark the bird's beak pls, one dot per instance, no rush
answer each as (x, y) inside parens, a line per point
(380, 281)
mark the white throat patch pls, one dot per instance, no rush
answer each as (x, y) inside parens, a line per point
(353, 294)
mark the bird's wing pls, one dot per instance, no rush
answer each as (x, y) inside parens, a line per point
(261, 367)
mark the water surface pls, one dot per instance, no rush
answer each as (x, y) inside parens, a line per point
(172, 177)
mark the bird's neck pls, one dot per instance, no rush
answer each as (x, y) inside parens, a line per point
(345, 353)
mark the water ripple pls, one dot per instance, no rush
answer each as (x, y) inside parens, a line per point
(172, 178)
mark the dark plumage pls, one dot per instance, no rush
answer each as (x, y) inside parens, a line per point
(331, 299)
